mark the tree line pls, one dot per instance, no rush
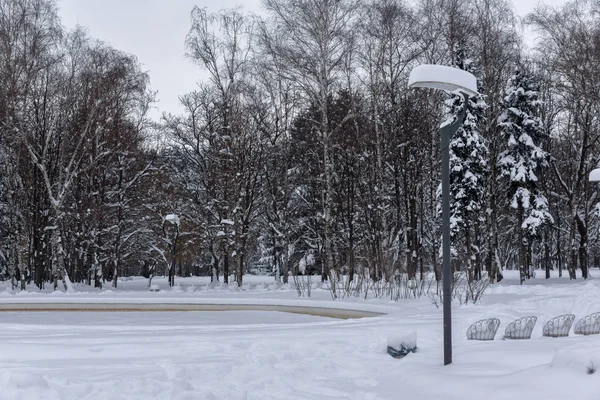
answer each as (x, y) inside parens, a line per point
(302, 148)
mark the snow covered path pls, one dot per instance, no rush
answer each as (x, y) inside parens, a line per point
(191, 355)
(273, 355)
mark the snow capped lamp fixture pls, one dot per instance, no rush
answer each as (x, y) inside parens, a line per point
(172, 218)
(445, 78)
(457, 81)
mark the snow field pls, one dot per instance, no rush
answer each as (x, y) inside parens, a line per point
(273, 355)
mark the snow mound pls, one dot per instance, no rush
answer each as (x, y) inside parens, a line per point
(17, 385)
(586, 301)
(579, 360)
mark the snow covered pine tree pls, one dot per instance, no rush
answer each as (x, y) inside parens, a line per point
(522, 161)
(469, 159)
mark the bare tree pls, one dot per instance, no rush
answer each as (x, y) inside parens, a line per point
(576, 125)
(318, 38)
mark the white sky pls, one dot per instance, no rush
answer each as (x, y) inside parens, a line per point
(155, 30)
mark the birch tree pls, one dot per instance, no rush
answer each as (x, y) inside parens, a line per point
(318, 38)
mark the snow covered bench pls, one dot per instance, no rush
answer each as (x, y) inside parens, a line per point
(520, 328)
(588, 325)
(483, 330)
(559, 326)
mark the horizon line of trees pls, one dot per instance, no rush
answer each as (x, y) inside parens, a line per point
(303, 148)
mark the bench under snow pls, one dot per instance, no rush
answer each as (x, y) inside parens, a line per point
(559, 326)
(483, 330)
(520, 328)
(588, 325)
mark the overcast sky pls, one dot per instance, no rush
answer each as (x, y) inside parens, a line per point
(155, 30)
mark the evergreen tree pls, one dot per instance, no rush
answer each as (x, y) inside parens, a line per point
(522, 161)
(468, 166)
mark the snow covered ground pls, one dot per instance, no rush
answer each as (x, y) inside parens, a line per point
(274, 355)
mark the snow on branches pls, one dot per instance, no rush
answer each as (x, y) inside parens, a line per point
(523, 159)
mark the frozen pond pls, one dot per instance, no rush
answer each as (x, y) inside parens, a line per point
(149, 320)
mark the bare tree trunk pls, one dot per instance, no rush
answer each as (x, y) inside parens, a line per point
(421, 236)
(327, 200)
(530, 266)
(351, 256)
(375, 262)
(276, 257)
(558, 243)
(22, 270)
(115, 280)
(469, 253)
(214, 277)
(286, 261)
(583, 257)
(412, 244)
(493, 260)
(97, 270)
(17, 255)
(239, 271)
(572, 267)
(546, 253)
(477, 255)
(522, 250)
(225, 267)
(58, 266)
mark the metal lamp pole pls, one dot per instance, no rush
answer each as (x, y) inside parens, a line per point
(462, 82)
(446, 134)
(173, 219)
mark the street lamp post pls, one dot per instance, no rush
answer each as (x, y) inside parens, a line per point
(458, 81)
(174, 220)
(595, 177)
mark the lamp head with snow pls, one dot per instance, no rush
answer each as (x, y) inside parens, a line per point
(172, 218)
(445, 78)
(595, 175)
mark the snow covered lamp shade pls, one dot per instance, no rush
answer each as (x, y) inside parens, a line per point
(172, 218)
(444, 78)
(595, 175)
